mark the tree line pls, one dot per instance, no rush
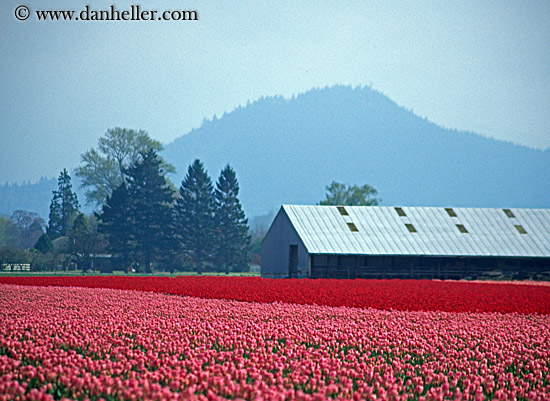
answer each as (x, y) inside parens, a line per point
(142, 222)
(147, 222)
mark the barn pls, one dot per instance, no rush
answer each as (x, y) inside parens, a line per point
(406, 242)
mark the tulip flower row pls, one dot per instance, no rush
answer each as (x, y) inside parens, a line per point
(92, 344)
(419, 295)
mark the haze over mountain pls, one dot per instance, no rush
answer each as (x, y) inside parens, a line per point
(288, 150)
(34, 197)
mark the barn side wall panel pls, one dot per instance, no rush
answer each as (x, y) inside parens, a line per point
(276, 247)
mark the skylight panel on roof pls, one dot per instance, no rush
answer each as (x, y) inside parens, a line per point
(509, 213)
(342, 210)
(462, 229)
(400, 212)
(352, 227)
(520, 229)
(411, 228)
(450, 212)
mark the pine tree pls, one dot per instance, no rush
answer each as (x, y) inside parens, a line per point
(194, 214)
(55, 228)
(84, 240)
(232, 226)
(102, 169)
(63, 208)
(115, 223)
(44, 244)
(151, 197)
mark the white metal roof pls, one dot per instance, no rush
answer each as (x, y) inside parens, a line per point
(382, 231)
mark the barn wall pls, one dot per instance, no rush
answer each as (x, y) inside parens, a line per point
(275, 249)
(363, 266)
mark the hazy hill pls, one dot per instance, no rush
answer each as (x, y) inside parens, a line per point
(27, 196)
(288, 150)
(35, 197)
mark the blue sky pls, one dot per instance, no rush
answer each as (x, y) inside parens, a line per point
(482, 66)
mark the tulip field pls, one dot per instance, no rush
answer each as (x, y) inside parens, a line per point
(420, 295)
(216, 338)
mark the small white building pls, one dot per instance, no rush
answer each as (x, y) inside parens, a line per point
(405, 242)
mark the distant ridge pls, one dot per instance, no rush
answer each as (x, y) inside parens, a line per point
(34, 197)
(288, 150)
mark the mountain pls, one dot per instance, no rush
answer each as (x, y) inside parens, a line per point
(27, 196)
(35, 197)
(288, 150)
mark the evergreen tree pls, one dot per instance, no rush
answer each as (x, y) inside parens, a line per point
(103, 169)
(63, 208)
(116, 224)
(55, 227)
(232, 226)
(77, 240)
(194, 214)
(84, 240)
(44, 244)
(151, 197)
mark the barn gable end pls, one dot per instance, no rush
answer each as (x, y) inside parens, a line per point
(283, 252)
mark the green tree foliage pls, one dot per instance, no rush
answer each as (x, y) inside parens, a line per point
(21, 230)
(233, 240)
(64, 207)
(259, 228)
(44, 244)
(11, 255)
(85, 241)
(55, 218)
(6, 230)
(151, 197)
(350, 195)
(10, 233)
(102, 170)
(28, 226)
(194, 216)
(45, 261)
(117, 226)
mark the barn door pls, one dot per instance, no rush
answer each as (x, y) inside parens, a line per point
(293, 261)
